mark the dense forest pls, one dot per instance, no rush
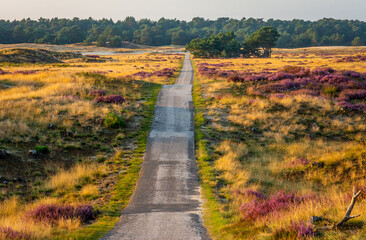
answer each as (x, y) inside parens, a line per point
(106, 32)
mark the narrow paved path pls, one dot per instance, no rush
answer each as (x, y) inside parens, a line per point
(166, 202)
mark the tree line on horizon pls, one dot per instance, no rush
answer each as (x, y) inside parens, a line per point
(106, 32)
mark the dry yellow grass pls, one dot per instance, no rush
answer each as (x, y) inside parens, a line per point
(40, 98)
(68, 178)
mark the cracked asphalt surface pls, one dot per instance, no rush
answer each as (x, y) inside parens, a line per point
(166, 203)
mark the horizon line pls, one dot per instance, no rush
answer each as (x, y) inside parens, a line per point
(157, 19)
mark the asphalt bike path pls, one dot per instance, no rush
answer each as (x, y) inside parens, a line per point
(166, 203)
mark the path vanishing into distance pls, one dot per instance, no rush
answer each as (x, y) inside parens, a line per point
(166, 203)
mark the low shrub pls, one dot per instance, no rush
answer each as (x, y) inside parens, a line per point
(297, 230)
(276, 203)
(110, 99)
(351, 106)
(353, 94)
(280, 76)
(357, 58)
(352, 74)
(42, 149)
(9, 233)
(303, 230)
(113, 120)
(52, 213)
(330, 90)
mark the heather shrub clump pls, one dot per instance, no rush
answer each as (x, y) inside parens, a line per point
(165, 72)
(9, 233)
(280, 76)
(52, 213)
(26, 72)
(110, 99)
(297, 230)
(276, 203)
(357, 58)
(351, 106)
(349, 94)
(255, 194)
(303, 230)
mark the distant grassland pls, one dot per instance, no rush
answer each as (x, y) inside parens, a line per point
(281, 140)
(86, 122)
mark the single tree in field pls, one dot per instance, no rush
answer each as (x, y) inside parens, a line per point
(220, 45)
(265, 38)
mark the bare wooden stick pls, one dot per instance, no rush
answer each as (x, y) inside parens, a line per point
(350, 208)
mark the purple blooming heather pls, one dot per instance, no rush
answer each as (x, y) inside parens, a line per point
(303, 230)
(255, 77)
(8, 233)
(85, 213)
(110, 99)
(280, 86)
(97, 93)
(357, 107)
(52, 213)
(26, 72)
(250, 193)
(349, 94)
(254, 193)
(235, 79)
(276, 203)
(322, 71)
(166, 72)
(352, 84)
(334, 79)
(280, 76)
(92, 56)
(305, 81)
(357, 58)
(352, 74)
(296, 70)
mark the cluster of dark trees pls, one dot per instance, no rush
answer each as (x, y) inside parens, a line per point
(294, 33)
(259, 44)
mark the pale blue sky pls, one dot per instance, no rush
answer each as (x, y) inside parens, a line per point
(184, 10)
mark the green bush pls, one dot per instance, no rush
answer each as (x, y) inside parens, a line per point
(330, 90)
(42, 149)
(113, 120)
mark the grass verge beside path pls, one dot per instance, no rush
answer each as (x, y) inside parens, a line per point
(213, 219)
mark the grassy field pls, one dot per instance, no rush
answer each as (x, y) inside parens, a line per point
(280, 141)
(77, 47)
(72, 138)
